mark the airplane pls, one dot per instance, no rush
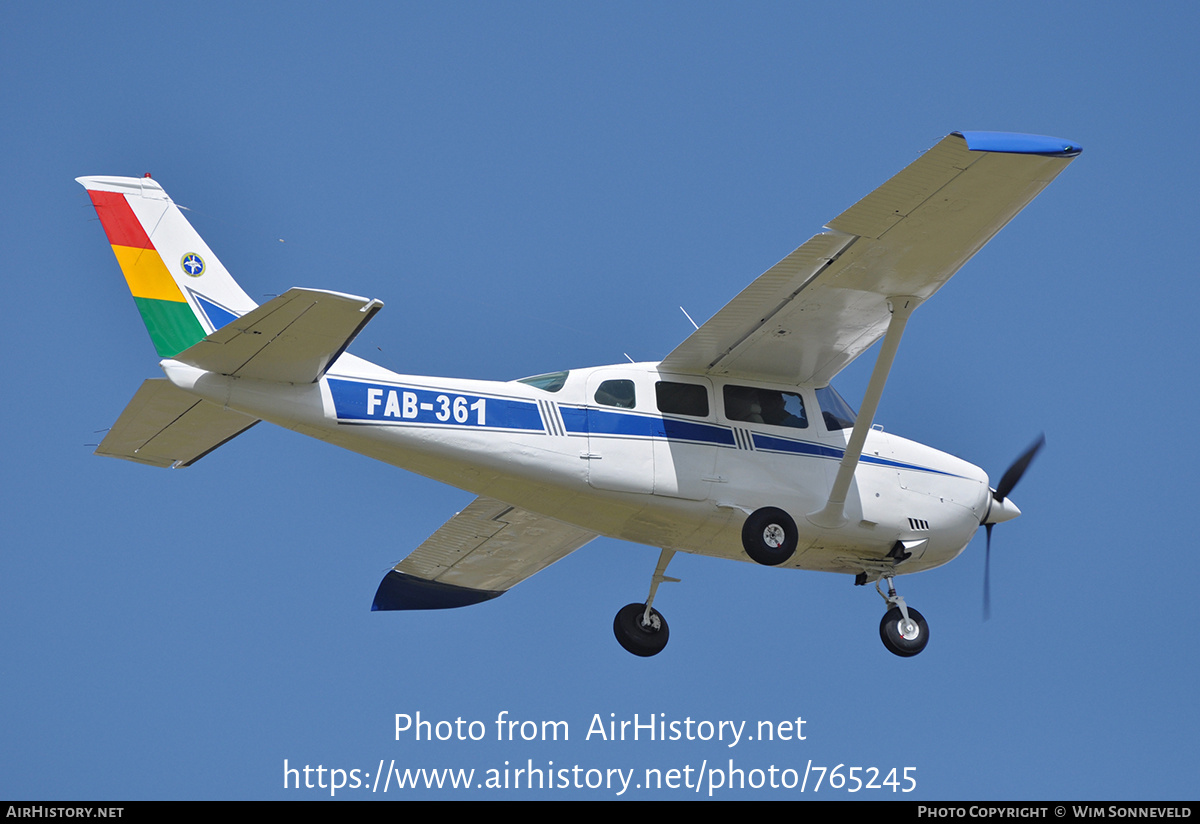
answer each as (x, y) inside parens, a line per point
(735, 445)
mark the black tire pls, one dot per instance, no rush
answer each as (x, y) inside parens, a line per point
(635, 638)
(897, 644)
(769, 536)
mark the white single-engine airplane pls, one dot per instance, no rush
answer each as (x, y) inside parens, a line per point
(734, 445)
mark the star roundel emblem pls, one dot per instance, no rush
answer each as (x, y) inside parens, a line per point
(193, 265)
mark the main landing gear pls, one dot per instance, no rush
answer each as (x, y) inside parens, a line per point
(640, 628)
(643, 631)
(903, 629)
(769, 536)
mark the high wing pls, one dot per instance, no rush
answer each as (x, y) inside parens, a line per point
(477, 555)
(826, 303)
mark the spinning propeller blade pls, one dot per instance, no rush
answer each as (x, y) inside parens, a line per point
(987, 574)
(1004, 512)
(1013, 475)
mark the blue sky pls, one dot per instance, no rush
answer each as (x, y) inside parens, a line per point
(531, 187)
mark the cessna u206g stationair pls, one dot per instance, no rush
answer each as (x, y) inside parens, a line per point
(734, 445)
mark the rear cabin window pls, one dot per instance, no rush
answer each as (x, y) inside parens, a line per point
(616, 393)
(682, 398)
(753, 404)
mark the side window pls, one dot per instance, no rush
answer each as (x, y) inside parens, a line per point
(770, 406)
(682, 398)
(616, 393)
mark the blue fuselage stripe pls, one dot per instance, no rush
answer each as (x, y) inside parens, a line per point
(364, 402)
(767, 443)
(770, 444)
(602, 422)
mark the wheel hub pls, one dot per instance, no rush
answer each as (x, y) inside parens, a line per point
(773, 536)
(908, 629)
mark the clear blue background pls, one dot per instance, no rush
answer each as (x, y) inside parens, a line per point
(531, 187)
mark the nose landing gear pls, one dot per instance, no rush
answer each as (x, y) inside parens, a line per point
(903, 630)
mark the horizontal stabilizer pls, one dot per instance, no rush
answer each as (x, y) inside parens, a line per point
(477, 555)
(290, 339)
(165, 426)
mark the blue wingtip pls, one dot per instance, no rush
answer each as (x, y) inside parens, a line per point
(1012, 143)
(399, 591)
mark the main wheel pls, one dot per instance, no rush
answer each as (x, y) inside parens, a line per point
(769, 536)
(636, 638)
(903, 638)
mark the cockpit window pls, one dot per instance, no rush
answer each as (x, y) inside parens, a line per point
(836, 413)
(617, 393)
(770, 406)
(550, 382)
(682, 398)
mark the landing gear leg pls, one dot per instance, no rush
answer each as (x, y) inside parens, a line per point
(903, 630)
(640, 628)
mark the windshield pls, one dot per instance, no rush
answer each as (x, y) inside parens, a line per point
(550, 382)
(836, 413)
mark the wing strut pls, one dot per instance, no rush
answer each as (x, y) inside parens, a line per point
(832, 515)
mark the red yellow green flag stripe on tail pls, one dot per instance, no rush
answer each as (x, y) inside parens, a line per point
(169, 319)
(181, 290)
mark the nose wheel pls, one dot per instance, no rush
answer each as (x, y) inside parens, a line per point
(904, 636)
(903, 630)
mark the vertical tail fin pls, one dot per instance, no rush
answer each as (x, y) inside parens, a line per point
(181, 289)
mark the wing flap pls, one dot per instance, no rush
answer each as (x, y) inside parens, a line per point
(164, 426)
(756, 305)
(908, 237)
(480, 553)
(293, 338)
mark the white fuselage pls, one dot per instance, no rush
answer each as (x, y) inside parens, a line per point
(598, 453)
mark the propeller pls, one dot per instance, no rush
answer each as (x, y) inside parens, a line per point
(1002, 509)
